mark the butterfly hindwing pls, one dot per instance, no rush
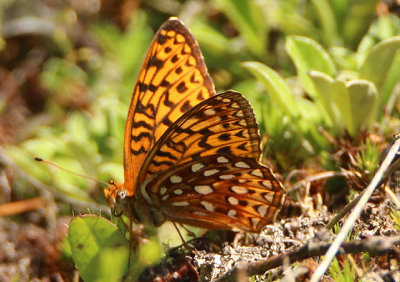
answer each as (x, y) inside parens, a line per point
(222, 125)
(218, 191)
(204, 170)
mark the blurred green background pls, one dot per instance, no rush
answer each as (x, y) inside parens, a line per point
(322, 76)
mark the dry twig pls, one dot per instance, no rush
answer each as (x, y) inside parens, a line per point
(373, 245)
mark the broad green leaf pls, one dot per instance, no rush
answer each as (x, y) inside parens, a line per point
(323, 88)
(276, 87)
(99, 250)
(378, 61)
(308, 55)
(357, 103)
(341, 100)
(351, 105)
(300, 111)
(364, 102)
(383, 28)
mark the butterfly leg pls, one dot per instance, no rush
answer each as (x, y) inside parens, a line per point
(189, 232)
(183, 240)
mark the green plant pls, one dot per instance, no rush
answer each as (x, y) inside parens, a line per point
(343, 101)
(343, 274)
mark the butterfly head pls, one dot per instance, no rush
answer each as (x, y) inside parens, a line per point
(117, 197)
(122, 203)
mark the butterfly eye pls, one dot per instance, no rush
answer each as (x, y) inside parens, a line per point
(122, 196)
(121, 202)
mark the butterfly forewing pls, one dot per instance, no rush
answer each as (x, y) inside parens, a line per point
(218, 191)
(221, 125)
(172, 80)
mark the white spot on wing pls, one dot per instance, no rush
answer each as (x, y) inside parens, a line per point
(199, 213)
(232, 213)
(266, 183)
(254, 221)
(257, 172)
(178, 192)
(269, 197)
(242, 180)
(163, 190)
(197, 167)
(233, 201)
(203, 189)
(208, 206)
(175, 179)
(211, 172)
(226, 176)
(239, 114)
(210, 112)
(239, 189)
(242, 122)
(222, 160)
(262, 210)
(242, 165)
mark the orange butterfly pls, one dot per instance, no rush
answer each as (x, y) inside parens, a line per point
(191, 156)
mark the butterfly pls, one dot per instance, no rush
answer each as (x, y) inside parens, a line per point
(191, 156)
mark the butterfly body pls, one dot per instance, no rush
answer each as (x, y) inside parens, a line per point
(191, 156)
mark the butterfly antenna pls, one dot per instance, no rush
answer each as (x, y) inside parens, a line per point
(66, 170)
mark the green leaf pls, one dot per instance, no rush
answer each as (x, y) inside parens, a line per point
(357, 103)
(378, 61)
(344, 58)
(276, 87)
(351, 105)
(389, 92)
(308, 55)
(99, 250)
(363, 98)
(323, 87)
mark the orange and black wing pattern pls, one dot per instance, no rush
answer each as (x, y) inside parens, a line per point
(223, 124)
(204, 170)
(172, 80)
